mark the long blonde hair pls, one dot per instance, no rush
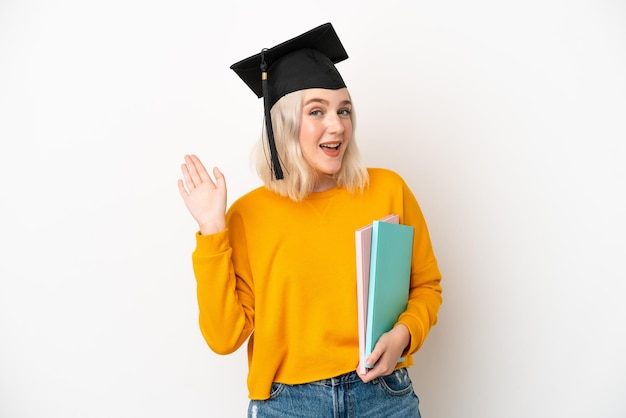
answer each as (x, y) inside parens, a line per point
(300, 177)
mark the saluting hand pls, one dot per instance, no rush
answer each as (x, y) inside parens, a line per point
(205, 199)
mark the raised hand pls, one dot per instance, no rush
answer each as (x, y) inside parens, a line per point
(205, 199)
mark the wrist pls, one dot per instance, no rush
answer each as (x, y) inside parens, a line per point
(212, 227)
(403, 335)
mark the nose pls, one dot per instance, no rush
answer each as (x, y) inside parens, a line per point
(334, 123)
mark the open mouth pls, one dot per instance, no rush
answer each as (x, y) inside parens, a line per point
(331, 147)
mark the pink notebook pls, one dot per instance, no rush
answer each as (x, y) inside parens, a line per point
(363, 251)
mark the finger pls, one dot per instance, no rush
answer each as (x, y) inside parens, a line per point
(363, 376)
(374, 356)
(381, 369)
(188, 181)
(200, 169)
(192, 169)
(370, 375)
(220, 180)
(182, 190)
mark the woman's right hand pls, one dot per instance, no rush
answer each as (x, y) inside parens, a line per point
(205, 199)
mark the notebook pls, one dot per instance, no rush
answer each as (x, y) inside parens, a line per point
(389, 279)
(363, 238)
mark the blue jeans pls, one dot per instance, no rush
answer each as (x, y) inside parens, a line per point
(345, 396)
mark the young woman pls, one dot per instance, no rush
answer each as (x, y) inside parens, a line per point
(277, 268)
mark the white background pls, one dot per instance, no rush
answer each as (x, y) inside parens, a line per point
(507, 119)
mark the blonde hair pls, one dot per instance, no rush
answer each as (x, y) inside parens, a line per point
(300, 177)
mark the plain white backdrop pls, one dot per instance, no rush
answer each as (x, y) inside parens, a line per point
(507, 119)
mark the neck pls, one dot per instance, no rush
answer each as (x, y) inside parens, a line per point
(324, 182)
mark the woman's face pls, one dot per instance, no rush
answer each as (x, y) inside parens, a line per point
(325, 128)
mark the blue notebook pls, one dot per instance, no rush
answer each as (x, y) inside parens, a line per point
(390, 275)
(363, 239)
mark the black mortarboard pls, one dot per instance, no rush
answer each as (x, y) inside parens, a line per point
(306, 61)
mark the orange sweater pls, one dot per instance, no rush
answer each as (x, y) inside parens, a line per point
(284, 274)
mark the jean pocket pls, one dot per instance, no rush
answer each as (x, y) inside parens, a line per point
(397, 383)
(276, 390)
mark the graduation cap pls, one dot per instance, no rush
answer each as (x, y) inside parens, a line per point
(306, 61)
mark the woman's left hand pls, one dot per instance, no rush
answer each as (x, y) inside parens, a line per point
(387, 352)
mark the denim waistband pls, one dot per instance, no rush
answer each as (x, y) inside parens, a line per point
(342, 379)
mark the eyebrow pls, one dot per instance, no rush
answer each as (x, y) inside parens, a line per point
(325, 102)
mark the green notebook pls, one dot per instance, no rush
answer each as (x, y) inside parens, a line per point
(390, 276)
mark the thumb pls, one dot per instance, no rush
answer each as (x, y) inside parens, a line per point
(373, 357)
(219, 177)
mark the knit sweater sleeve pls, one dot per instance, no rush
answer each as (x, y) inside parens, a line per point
(225, 293)
(425, 288)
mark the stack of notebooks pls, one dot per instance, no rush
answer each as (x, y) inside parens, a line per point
(384, 250)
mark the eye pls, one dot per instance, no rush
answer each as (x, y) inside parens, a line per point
(344, 112)
(315, 112)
